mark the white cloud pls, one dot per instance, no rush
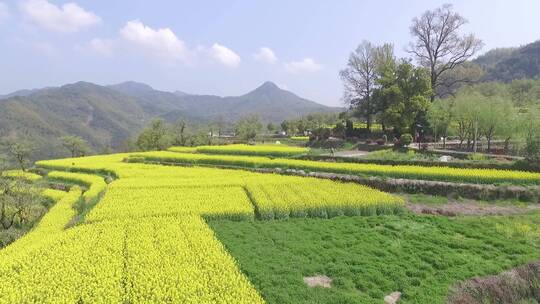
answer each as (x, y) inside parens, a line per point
(265, 54)
(162, 42)
(307, 65)
(68, 18)
(4, 12)
(224, 55)
(103, 47)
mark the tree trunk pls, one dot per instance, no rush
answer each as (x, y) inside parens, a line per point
(444, 142)
(489, 136)
(475, 143)
(506, 145)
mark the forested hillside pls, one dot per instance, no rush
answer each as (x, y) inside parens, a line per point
(508, 64)
(106, 116)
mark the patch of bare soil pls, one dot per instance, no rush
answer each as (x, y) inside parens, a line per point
(318, 280)
(469, 208)
(392, 298)
(519, 285)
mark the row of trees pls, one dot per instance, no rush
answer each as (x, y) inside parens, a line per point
(309, 122)
(20, 151)
(474, 113)
(395, 92)
(159, 134)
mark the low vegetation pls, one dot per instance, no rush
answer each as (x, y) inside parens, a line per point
(368, 258)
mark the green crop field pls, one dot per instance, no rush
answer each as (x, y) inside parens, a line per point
(173, 234)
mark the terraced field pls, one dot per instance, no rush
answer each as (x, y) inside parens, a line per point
(148, 239)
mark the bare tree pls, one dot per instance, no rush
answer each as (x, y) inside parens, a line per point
(438, 44)
(359, 79)
(450, 82)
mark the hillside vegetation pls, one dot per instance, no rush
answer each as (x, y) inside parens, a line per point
(106, 117)
(511, 63)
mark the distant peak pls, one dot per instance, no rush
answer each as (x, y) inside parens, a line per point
(132, 86)
(268, 85)
(80, 84)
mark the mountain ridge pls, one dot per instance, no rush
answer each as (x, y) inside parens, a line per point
(507, 64)
(106, 116)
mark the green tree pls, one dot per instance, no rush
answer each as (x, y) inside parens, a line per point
(75, 145)
(468, 107)
(155, 136)
(402, 96)
(271, 128)
(248, 127)
(531, 127)
(179, 133)
(21, 151)
(525, 92)
(493, 117)
(440, 117)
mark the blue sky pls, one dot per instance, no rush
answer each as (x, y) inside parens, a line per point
(223, 47)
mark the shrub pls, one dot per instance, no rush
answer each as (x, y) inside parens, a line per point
(405, 139)
(476, 157)
(532, 151)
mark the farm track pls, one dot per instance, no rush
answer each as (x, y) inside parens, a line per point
(469, 209)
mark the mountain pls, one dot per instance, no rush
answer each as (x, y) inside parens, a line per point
(508, 64)
(19, 93)
(102, 116)
(105, 116)
(271, 103)
(154, 102)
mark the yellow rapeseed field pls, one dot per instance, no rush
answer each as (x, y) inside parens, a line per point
(146, 240)
(482, 176)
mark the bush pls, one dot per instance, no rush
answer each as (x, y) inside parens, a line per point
(476, 156)
(532, 151)
(405, 139)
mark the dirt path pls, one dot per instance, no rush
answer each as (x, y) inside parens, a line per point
(469, 208)
(348, 153)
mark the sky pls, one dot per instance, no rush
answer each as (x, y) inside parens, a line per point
(223, 47)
